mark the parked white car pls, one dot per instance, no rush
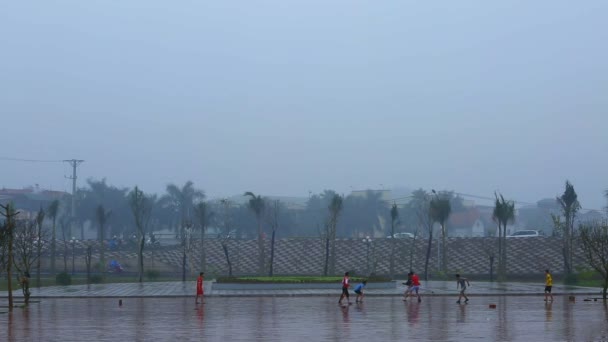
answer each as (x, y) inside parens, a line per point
(524, 233)
(402, 236)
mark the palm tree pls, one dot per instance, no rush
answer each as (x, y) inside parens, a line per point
(570, 206)
(335, 208)
(257, 205)
(394, 217)
(504, 213)
(440, 209)
(183, 199)
(53, 211)
(102, 217)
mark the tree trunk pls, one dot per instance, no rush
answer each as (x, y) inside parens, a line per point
(140, 256)
(444, 251)
(65, 250)
(87, 260)
(53, 247)
(332, 253)
(203, 256)
(504, 251)
(392, 261)
(184, 264)
(25, 287)
(9, 266)
(428, 256)
(566, 247)
(39, 253)
(270, 273)
(260, 248)
(499, 251)
(102, 248)
(326, 265)
(227, 255)
(412, 249)
(491, 268)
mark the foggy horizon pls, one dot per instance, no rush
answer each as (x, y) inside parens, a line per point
(285, 98)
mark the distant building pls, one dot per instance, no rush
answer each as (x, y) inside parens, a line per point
(467, 223)
(29, 200)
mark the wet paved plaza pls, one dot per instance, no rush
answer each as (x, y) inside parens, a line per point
(515, 318)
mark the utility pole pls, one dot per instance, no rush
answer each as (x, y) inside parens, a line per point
(74, 163)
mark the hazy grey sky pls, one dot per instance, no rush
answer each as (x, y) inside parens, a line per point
(282, 97)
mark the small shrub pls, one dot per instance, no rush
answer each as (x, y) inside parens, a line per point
(96, 279)
(571, 279)
(152, 274)
(98, 267)
(63, 278)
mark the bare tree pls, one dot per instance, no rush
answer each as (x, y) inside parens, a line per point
(142, 209)
(102, 215)
(440, 212)
(186, 245)
(335, 208)
(9, 213)
(39, 242)
(421, 205)
(64, 223)
(257, 205)
(489, 249)
(25, 253)
(273, 221)
(182, 201)
(226, 235)
(394, 218)
(203, 216)
(594, 243)
(53, 211)
(88, 258)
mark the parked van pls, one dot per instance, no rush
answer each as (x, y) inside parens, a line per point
(402, 236)
(524, 233)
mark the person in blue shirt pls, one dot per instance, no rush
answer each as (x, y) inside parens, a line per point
(359, 291)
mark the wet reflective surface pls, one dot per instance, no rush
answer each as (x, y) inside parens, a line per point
(306, 319)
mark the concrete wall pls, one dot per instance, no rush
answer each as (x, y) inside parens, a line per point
(526, 256)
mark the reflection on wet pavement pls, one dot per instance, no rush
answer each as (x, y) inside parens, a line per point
(306, 319)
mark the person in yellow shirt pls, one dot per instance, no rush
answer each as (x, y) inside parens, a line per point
(548, 285)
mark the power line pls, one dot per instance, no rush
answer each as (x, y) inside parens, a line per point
(31, 160)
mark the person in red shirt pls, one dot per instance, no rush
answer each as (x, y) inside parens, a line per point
(199, 287)
(415, 287)
(345, 285)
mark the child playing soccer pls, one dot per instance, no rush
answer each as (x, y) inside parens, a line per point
(359, 291)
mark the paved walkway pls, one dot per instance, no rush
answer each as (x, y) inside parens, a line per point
(187, 289)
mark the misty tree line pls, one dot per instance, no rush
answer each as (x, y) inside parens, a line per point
(131, 212)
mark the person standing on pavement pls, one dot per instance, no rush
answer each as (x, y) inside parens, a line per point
(345, 285)
(199, 287)
(462, 283)
(548, 285)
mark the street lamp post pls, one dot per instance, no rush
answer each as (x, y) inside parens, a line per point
(73, 242)
(368, 241)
